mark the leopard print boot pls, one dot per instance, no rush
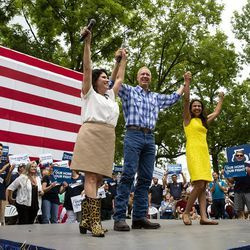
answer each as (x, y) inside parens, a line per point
(85, 219)
(95, 217)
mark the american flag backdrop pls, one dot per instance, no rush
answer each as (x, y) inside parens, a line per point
(40, 105)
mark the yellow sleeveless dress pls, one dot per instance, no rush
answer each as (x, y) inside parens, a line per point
(198, 159)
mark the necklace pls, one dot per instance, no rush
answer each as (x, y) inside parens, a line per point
(33, 180)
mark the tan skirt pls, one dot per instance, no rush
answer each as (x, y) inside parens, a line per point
(94, 149)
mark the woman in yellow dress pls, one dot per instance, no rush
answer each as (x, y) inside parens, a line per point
(197, 154)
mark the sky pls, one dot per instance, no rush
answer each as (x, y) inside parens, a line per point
(226, 26)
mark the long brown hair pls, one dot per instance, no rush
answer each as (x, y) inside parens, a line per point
(203, 115)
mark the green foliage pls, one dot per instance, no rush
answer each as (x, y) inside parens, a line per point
(168, 36)
(241, 23)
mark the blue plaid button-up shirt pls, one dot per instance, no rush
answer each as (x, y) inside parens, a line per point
(141, 108)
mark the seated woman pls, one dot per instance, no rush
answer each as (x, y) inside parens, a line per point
(167, 207)
(29, 188)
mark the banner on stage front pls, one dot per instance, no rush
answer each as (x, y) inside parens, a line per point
(61, 174)
(158, 173)
(234, 169)
(77, 202)
(45, 159)
(19, 159)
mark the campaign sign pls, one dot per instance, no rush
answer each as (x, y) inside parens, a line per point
(158, 173)
(118, 169)
(174, 168)
(19, 159)
(61, 174)
(5, 153)
(234, 169)
(231, 152)
(67, 156)
(63, 164)
(77, 202)
(45, 159)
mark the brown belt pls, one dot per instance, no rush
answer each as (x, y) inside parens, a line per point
(144, 130)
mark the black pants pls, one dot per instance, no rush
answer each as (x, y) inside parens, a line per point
(106, 214)
(218, 208)
(26, 215)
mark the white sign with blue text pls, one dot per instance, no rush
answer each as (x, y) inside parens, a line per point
(46, 158)
(77, 202)
(19, 159)
(158, 173)
(64, 164)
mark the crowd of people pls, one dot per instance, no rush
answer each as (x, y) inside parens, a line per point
(37, 198)
(171, 200)
(204, 198)
(30, 188)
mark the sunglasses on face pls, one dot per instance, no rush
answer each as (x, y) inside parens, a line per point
(239, 155)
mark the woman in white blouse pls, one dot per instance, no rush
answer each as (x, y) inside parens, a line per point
(29, 188)
(95, 144)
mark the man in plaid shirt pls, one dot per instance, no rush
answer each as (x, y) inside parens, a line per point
(140, 108)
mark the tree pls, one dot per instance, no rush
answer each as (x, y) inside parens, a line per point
(232, 128)
(169, 36)
(182, 41)
(54, 27)
(241, 24)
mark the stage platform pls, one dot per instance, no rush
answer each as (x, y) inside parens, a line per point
(172, 235)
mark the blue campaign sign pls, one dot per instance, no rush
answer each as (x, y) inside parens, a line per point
(231, 152)
(234, 169)
(61, 174)
(67, 156)
(118, 169)
(174, 168)
(5, 153)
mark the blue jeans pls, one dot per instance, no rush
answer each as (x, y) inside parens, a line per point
(49, 212)
(139, 157)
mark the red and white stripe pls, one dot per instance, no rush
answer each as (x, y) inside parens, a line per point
(40, 105)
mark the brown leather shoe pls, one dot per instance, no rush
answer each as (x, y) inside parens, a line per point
(208, 222)
(145, 223)
(121, 226)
